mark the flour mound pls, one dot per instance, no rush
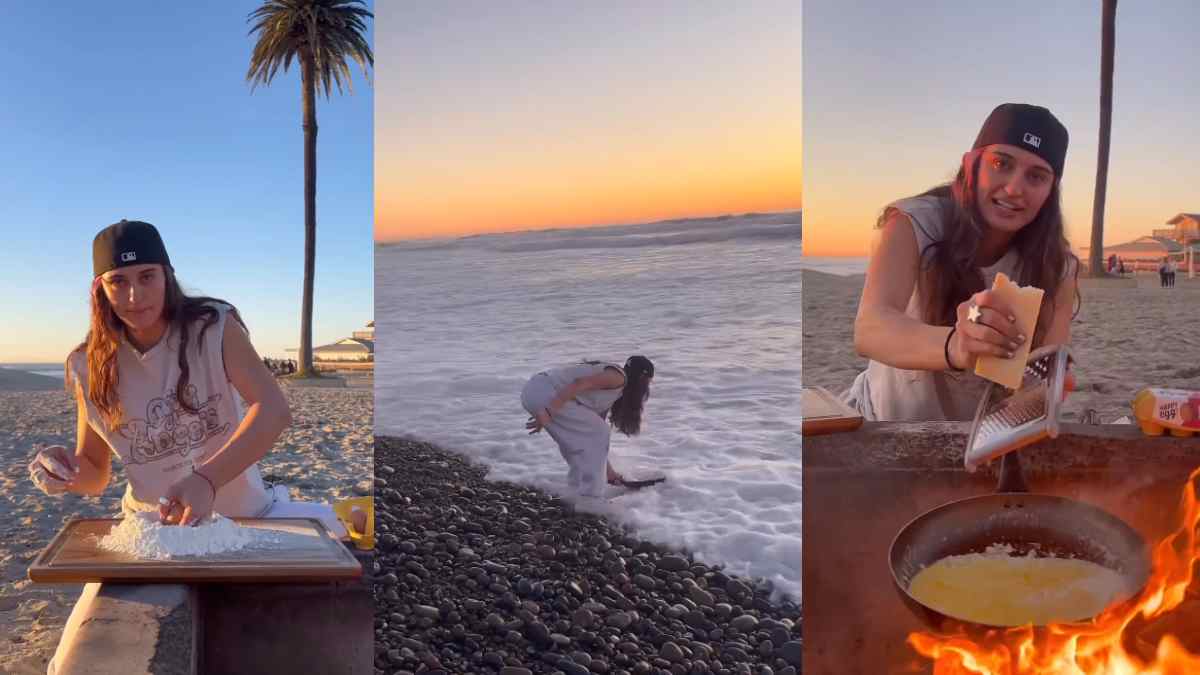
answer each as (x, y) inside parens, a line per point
(142, 536)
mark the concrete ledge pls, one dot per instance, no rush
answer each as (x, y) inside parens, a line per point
(175, 629)
(293, 628)
(940, 445)
(130, 629)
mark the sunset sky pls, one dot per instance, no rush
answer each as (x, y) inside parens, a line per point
(530, 115)
(896, 92)
(151, 119)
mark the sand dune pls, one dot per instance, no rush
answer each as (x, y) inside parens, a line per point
(1129, 334)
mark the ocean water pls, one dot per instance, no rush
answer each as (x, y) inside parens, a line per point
(47, 369)
(463, 324)
(840, 266)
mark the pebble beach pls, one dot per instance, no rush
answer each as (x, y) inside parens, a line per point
(481, 576)
(324, 456)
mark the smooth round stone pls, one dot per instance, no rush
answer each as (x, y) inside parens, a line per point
(791, 652)
(583, 617)
(560, 640)
(700, 596)
(619, 620)
(671, 652)
(427, 612)
(744, 623)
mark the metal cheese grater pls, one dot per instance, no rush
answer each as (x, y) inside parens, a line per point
(1008, 419)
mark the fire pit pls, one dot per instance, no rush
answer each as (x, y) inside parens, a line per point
(861, 488)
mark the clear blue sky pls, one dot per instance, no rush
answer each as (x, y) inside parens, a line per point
(896, 92)
(139, 109)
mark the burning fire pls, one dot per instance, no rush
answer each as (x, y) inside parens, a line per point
(1146, 635)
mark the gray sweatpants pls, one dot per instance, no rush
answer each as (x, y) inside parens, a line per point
(581, 434)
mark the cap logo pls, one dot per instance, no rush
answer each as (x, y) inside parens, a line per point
(129, 256)
(1035, 141)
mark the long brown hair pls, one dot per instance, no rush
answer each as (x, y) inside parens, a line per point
(626, 413)
(949, 271)
(104, 338)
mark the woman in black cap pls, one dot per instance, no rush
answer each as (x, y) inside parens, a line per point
(571, 404)
(926, 312)
(172, 385)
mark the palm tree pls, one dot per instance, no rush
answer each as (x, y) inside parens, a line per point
(1107, 47)
(321, 36)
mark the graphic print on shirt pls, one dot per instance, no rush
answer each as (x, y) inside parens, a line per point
(169, 429)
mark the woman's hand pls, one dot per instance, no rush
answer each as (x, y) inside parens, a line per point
(991, 330)
(53, 469)
(187, 502)
(538, 422)
(614, 478)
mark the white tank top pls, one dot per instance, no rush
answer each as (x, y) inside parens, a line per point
(159, 442)
(597, 400)
(885, 393)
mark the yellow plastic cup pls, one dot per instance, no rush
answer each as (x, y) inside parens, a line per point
(364, 541)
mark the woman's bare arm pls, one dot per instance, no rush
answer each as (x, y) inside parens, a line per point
(93, 457)
(882, 331)
(267, 413)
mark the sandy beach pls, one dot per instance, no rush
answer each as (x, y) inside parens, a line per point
(1129, 334)
(324, 456)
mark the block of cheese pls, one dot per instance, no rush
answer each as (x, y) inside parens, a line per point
(1026, 303)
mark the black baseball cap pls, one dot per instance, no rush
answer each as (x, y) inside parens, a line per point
(129, 242)
(1028, 127)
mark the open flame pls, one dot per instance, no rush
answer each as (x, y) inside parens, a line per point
(1149, 634)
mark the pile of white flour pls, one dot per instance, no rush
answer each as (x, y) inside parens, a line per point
(143, 536)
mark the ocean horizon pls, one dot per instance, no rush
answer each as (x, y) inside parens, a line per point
(48, 369)
(841, 266)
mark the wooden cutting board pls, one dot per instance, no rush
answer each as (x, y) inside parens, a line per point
(305, 551)
(824, 413)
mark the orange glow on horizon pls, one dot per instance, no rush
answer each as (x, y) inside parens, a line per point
(594, 181)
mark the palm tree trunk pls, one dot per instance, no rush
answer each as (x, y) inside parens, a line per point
(310, 212)
(1107, 47)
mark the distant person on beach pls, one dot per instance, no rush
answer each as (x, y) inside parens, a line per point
(571, 404)
(926, 311)
(1162, 273)
(171, 384)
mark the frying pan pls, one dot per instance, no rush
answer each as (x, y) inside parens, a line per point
(1049, 524)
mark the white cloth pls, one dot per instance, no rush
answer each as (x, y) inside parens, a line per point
(598, 401)
(581, 433)
(159, 441)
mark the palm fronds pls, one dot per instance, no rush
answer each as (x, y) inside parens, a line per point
(329, 32)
